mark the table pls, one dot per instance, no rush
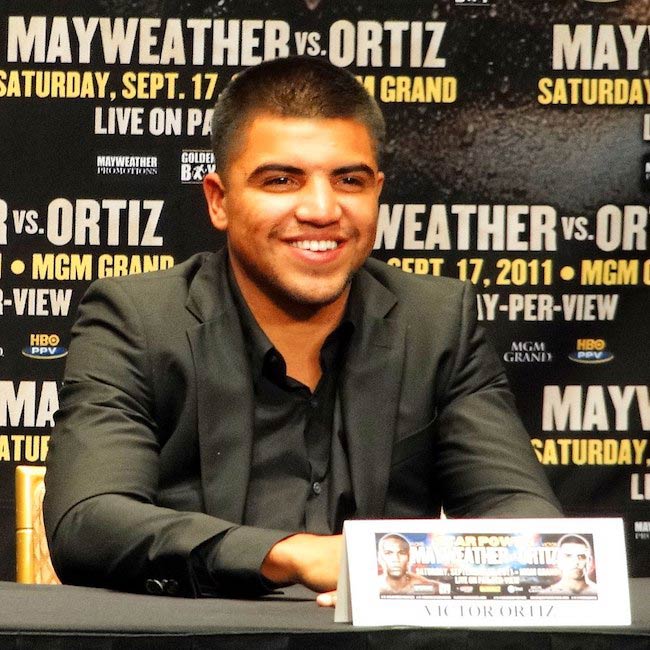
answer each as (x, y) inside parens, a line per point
(62, 616)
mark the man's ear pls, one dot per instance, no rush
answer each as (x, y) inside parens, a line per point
(215, 196)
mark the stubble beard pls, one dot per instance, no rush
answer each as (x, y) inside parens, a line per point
(304, 292)
(302, 296)
(307, 298)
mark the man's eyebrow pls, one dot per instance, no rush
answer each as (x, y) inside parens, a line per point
(276, 167)
(350, 169)
(297, 171)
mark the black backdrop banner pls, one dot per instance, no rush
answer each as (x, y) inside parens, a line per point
(517, 158)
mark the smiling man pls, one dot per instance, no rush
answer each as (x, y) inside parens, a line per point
(219, 421)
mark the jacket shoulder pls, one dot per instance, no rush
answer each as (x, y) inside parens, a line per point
(182, 273)
(416, 289)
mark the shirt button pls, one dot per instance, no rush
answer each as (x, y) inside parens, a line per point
(316, 487)
(313, 402)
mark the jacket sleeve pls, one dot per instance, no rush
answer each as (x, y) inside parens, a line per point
(485, 464)
(103, 524)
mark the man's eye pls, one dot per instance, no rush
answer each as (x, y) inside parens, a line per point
(278, 183)
(353, 183)
(277, 180)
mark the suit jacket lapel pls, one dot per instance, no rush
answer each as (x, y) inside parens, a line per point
(224, 393)
(370, 394)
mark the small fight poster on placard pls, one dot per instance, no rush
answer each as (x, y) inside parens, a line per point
(564, 572)
(492, 566)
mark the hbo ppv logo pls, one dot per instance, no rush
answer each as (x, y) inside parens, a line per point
(44, 346)
(591, 351)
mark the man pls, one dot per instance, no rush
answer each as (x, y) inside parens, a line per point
(574, 559)
(219, 421)
(394, 553)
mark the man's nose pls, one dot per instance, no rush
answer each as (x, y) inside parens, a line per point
(318, 202)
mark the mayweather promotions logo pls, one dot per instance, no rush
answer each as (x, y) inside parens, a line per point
(44, 346)
(591, 351)
(128, 165)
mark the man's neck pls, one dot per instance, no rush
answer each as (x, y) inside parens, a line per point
(297, 331)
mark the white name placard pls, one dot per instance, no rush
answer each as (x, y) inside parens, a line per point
(484, 573)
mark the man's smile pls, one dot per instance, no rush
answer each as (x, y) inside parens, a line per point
(315, 245)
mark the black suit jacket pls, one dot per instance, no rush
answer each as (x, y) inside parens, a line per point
(152, 445)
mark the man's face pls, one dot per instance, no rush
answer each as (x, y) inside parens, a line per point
(298, 201)
(572, 560)
(394, 557)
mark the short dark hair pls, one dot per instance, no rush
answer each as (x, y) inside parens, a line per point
(292, 87)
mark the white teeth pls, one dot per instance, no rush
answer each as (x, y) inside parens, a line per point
(315, 245)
